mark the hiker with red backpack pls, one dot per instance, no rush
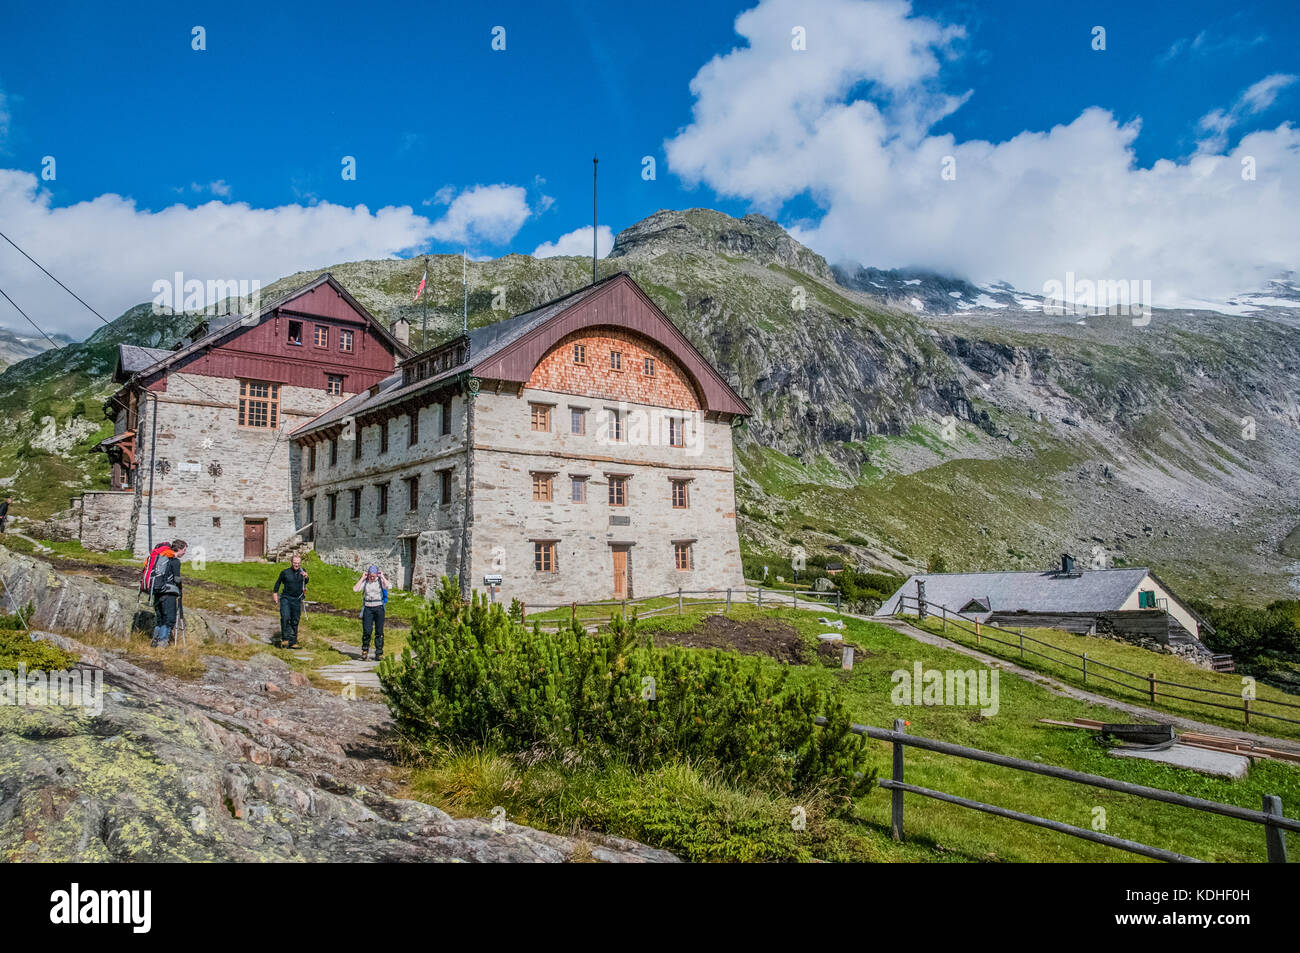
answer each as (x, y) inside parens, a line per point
(161, 580)
(373, 585)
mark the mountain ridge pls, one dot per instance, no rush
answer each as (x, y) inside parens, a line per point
(996, 437)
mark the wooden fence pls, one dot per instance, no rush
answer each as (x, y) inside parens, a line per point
(1274, 822)
(1154, 689)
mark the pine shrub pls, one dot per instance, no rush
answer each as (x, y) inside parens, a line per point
(472, 676)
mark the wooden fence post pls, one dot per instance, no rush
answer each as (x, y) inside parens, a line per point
(573, 612)
(1022, 645)
(978, 640)
(1085, 668)
(1246, 708)
(796, 598)
(760, 597)
(728, 612)
(837, 601)
(679, 600)
(1275, 836)
(523, 611)
(1152, 679)
(943, 614)
(896, 802)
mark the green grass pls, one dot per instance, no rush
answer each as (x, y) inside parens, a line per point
(948, 832)
(1133, 658)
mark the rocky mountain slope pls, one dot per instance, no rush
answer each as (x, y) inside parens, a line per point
(974, 425)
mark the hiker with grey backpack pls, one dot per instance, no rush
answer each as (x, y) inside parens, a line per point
(161, 579)
(373, 586)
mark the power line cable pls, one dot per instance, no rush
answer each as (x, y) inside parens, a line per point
(38, 328)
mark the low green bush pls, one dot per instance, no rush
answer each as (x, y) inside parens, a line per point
(472, 676)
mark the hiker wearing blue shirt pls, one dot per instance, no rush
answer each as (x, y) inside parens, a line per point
(374, 586)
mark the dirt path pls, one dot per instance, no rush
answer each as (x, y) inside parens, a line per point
(1080, 694)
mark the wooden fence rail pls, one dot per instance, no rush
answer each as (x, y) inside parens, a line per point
(1274, 822)
(1155, 689)
(690, 598)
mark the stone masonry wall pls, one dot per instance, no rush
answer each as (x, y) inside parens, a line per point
(215, 474)
(507, 520)
(381, 538)
(106, 519)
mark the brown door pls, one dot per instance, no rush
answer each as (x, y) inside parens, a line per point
(254, 539)
(620, 573)
(408, 564)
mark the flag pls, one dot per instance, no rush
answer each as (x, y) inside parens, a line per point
(420, 290)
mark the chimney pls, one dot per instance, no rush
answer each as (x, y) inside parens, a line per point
(402, 330)
(1067, 563)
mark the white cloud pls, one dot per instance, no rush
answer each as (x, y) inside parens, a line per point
(577, 242)
(482, 213)
(1255, 99)
(848, 123)
(110, 252)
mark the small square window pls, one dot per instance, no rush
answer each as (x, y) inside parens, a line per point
(681, 494)
(544, 557)
(616, 360)
(295, 333)
(542, 487)
(618, 491)
(345, 341)
(615, 426)
(676, 432)
(578, 421)
(322, 336)
(216, 522)
(649, 367)
(334, 384)
(682, 556)
(579, 354)
(541, 417)
(171, 521)
(578, 489)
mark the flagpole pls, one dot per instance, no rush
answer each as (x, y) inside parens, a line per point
(594, 162)
(464, 280)
(424, 330)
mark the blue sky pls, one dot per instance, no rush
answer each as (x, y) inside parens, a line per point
(139, 122)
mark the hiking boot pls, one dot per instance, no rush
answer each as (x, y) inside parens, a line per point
(292, 645)
(365, 654)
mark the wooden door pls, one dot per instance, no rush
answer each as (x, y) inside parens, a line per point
(620, 573)
(254, 539)
(408, 564)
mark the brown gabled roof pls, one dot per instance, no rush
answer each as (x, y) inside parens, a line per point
(510, 349)
(130, 357)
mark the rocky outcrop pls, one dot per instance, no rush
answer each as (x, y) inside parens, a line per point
(246, 763)
(68, 602)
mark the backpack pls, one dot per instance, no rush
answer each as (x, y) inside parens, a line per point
(148, 577)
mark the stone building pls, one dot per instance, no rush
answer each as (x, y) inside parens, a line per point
(578, 451)
(200, 447)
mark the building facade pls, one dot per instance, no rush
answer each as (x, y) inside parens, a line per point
(579, 451)
(200, 448)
